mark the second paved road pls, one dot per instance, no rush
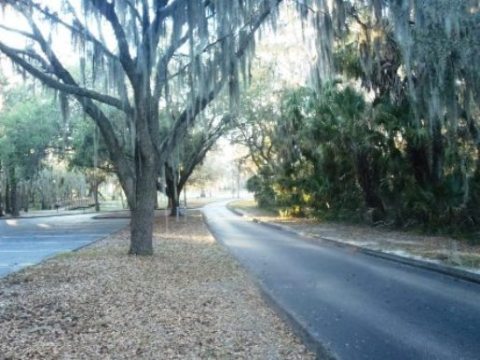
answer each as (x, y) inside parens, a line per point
(27, 241)
(358, 306)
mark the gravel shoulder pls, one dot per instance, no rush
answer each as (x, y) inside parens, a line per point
(437, 249)
(191, 300)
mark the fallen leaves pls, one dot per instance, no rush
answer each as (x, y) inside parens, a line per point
(190, 300)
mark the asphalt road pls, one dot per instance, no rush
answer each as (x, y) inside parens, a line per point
(27, 241)
(358, 306)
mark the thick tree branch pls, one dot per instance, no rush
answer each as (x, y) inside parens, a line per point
(85, 33)
(161, 68)
(33, 55)
(17, 31)
(75, 28)
(163, 11)
(108, 11)
(134, 10)
(16, 56)
(181, 123)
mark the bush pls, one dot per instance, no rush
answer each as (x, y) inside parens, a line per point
(262, 190)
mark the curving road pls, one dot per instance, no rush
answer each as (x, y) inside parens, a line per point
(358, 306)
(27, 241)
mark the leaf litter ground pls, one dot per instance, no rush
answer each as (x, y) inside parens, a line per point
(190, 300)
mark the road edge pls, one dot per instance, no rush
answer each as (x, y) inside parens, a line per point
(99, 239)
(438, 268)
(293, 322)
(296, 325)
(53, 256)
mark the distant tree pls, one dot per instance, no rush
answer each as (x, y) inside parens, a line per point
(205, 174)
(29, 127)
(89, 155)
(198, 142)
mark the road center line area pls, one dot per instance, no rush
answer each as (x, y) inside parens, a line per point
(357, 306)
(27, 241)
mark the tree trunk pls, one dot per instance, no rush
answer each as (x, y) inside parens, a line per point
(175, 204)
(367, 177)
(173, 200)
(1, 204)
(143, 207)
(418, 158)
(438, 153)
(25, 197)
(143, 211)
(13, 194)
(172, 192)
(8, 208)
(43, 205)
(95, 195)
(184, 196)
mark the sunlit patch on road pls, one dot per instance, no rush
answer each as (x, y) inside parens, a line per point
(12, 222)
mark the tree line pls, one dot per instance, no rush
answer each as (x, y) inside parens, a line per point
(39, 152)
(392, 137)
(48, 160)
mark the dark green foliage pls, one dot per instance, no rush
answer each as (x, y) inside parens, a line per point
(28, 128)
(338, 157)
(88, 148)
(262, 188)
(396, 139)
(29, 131)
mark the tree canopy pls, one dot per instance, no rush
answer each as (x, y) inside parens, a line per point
(30, 129)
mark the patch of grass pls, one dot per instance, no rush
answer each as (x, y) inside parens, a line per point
(251, 208)
(470, 260)
(65, 255)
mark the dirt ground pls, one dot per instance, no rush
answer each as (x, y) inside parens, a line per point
(191, 300)
(439, 249)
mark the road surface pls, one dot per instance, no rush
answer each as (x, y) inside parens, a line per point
(358, 306)
(27, 241)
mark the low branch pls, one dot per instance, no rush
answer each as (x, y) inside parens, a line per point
(32, 54)
(17, 31)
(16, 57)
(77, 27)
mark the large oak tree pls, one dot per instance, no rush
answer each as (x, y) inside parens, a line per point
(132, 55)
